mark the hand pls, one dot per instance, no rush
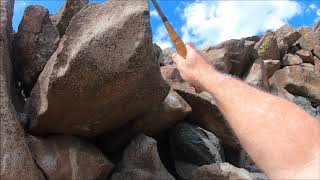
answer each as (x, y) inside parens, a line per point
(194, 68)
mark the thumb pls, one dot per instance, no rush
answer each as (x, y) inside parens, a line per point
(177, 58)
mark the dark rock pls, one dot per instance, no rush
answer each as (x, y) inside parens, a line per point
(286, 37)
(221, 171)
(35, 42)
(267, 47)
(24, 119)
(247, 163)
(306, 56)
(96, 82)
(305, 104)
(192, 147)
(67, 157)
(157, 50)
(309, 39)
(271, 66)
(258, 76)
(252, 38)
(15, 158)
(297, 80)
(165, 57)
(290, 59)
(218, 58)
(141, 161)
(71, 8)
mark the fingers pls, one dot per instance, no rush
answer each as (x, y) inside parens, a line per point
(177, 58)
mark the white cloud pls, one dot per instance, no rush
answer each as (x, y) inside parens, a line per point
(161, 37)
(154, 13)
(208, 22)
(312, 6)
(318, 12)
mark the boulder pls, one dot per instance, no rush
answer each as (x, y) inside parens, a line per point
(218, 58)
(316, 51)
(96, 82)
(306, 56)
(165, 57)
(309, 39)
(35, 42)
(157, 50)
(308, 65)
(15, 158)
(305, 104)
(221, 171)
(267, 47)
(67, 157)
(247, 163)
(317, 65)
(141, 161)
(297, 80)
(207, 115)
(71, 8)
(158, 119)
(191, 147)
(271, 66)
(258, 76)
(290, 59)
(286, 36)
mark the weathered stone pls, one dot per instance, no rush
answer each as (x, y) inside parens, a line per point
(252, 38)
(247, 163)
(297, 80)
(157, 50)
(271, 66)
(141, 161)
(317, 65)
(286, 36)
(172, 75)
(192, 147)
(96, 82)
(165, 57)
(15, 158)
(306, 56)
(221, 171)
(71, 8)
(316, 51)
(290, 59)
(205, 113)
(258, 76)
(35, 42)
(309, 39)
(305, 104)
(308, 65)
(218, 58)
(67, 157)
(158, 119)
(267, 47)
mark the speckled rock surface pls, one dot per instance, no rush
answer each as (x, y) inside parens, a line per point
(96, 82)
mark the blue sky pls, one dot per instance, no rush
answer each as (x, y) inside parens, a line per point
(211, 22)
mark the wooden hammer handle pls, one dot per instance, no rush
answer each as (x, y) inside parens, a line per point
(177, 41)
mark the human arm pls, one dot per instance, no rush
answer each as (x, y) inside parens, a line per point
(281, 138)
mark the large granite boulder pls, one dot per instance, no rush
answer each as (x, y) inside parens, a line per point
(271, 66)
(286, 36)
(192, 147)
(306, 56)
(67, 157)
(141, 161)
(223, 171)
(290, 59)
(297, 80)
(309, 38)
(63, 18)
(35, 42)
(96, 82)
(15, 158)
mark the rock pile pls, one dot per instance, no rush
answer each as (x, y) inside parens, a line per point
(98, 95)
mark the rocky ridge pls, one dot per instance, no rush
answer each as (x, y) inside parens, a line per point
(102, 101)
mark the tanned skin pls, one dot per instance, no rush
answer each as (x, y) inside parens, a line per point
(282, 139)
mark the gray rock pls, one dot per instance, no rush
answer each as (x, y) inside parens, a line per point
(309, 38)
(141, 161)
(35, 42)
(290, 59)
(286, 37)
(271, 66)
(157, 50)
(96, 82)
(165, 57)
(15, 158)
(306, 56)
(258, 76)
(305, 104)
(71, 8)
(317, 65)
(221, 171)
(67, 157)
(247, 163)
(192, 147)
(218, 58)
(267, 47)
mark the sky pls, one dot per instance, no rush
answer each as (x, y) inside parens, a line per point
(204, 22)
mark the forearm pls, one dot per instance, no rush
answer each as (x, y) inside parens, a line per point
(277, 134)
